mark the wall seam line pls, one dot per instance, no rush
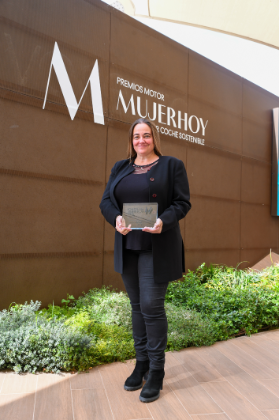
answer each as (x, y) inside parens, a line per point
(106, 151)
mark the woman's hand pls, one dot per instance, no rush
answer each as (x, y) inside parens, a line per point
(121, 226)
(157, 228)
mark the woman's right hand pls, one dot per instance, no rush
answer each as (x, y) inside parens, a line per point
(121, 226)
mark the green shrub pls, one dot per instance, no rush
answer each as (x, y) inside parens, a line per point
(108, 307)
(213, 303)
(28, 342)
(113, 342)
(188, 328)
(236, 301)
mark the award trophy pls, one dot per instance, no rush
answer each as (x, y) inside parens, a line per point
(140, 215)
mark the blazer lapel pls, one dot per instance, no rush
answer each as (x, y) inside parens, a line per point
(124, 172)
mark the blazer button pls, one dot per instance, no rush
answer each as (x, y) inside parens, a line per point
(151, 179)
(154, 195)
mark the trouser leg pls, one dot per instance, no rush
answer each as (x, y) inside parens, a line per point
(131, 281)
(152, 299)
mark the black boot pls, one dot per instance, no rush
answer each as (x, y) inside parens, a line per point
(135, 380)
(151, 390)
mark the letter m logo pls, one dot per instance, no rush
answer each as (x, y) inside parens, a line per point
(63, 79)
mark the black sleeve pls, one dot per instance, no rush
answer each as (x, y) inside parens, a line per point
(180, 204)
(108, 209)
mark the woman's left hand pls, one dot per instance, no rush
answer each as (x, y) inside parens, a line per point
(157, 228)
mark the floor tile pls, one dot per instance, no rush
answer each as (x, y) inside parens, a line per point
(91, 404)
(197, 366)
(235, 405)
(274, 335)
(168, 407)
(53, 398)
(173, 365)
(270, 333)
(246, 362)
(267, 358)
(2, 379)
(125, 405)
(266, 342)
(188, 390)
(219, 416)
(19, 384)
(272, 414)
(272, 385)
(257, 338)
(90, 380)
(17, 406)
(248, 386)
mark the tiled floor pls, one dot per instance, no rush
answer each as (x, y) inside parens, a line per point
(237, 380)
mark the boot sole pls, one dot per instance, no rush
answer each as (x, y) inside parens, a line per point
(132, 388)
(147, 400)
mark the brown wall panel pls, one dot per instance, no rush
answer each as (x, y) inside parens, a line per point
(214, 173)
(47, 216)
(258, 228)
(195, 258)
(117, 144)
(75, 149)
(250, 257)
(258, 104)
(255, 178)
(173, 147)
(48, 279)
(223, 130)
(109, 233)
(88, 21)
(257, 140)
(213, 223)
(148, 53)
(110, 277)
(214, 84)
(182, 224)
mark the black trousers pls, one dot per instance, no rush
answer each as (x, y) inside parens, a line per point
(147, 299)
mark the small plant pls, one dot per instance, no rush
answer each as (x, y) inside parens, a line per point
(67, 302)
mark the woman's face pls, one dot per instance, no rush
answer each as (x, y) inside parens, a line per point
(143, 140)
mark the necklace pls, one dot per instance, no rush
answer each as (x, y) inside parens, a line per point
(144, 166)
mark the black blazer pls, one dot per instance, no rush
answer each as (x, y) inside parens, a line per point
(168, 180)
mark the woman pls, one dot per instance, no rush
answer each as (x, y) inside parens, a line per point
(149, 258)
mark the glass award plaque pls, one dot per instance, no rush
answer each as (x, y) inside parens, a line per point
(140, 215)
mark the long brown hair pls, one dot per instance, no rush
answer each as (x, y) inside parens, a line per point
(131, 153)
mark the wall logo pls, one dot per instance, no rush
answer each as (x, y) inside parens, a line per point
(171, 122)
(58, 66)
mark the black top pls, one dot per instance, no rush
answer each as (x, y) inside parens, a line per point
(134, 188)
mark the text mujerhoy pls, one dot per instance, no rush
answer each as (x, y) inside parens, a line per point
(161, 113)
